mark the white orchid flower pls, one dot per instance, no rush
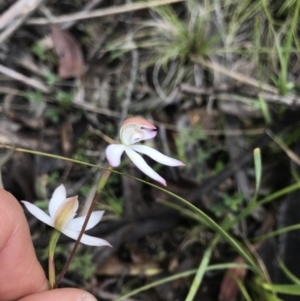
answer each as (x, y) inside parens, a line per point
(133, 130)
(61, 217)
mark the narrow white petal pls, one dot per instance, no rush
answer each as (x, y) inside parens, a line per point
(94, 241)
(38, 213)
(114, 153)
(58, 196)
(86, 239)
(143, 166)
(156, 155)
(77, 223)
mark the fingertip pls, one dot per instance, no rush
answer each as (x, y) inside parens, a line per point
(86, 297)
(65, 294)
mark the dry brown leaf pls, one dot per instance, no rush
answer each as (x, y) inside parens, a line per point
(71, 62)
(114, 266)
(229, 288)
(199, 116)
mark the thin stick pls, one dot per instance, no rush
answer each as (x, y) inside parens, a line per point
(15, 16)
(101, 12)
(24, 79)
(235, 75)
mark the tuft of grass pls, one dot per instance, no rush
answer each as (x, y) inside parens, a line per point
(284, 44)
(180, 38)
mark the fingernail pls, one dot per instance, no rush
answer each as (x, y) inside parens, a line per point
(87, 297)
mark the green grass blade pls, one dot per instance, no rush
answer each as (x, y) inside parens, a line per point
(214, 267)
(277, 232)
(258, 168)
(242, 288)
(290, 289)
(265, 110)
(201, 271)
(213, 225)
(184, 211)
(287, 272)
(279, 193)
(265, 200)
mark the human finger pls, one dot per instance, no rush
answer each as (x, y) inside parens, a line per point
(20, 272)
(65, 294)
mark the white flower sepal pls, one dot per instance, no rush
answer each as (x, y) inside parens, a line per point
(133, 130)
(62, 211)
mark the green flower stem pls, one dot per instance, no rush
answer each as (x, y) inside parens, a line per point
(51, 264)
(101, 185)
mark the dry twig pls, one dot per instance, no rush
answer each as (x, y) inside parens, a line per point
(16, 15)
(288, 100)
(101, 12)
(24, 79)
(236, 76)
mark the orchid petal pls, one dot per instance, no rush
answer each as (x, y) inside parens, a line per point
(86, 239)
(38, 213)
(65, 212)
(114, 153)
(77, 223)
(58, 196)
(156, 155)
(143, 166)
